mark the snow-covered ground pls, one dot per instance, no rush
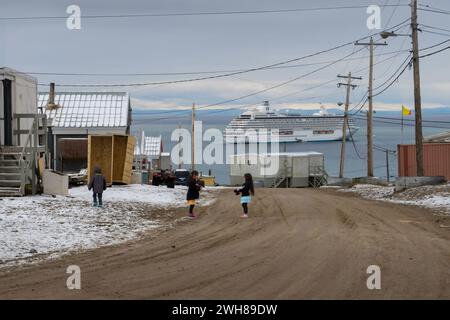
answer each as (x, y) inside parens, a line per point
(42, 227)
(433, 197)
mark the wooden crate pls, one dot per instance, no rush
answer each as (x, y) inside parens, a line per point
(114, 154)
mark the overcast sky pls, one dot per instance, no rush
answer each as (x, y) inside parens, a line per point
(219, 42)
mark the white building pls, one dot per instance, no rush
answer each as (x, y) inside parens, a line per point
(22, 133)
(17, 96)
(294, 169)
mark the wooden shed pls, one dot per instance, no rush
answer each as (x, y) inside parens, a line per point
(114, 155)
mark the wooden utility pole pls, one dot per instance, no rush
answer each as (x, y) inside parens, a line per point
(417, 94)
(180, 163)
(387, 165)
(193, 139)
(349, 86)
(371, 45)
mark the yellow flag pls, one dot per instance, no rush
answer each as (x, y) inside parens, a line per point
(406, 111)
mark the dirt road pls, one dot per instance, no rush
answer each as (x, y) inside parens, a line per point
(297, 243)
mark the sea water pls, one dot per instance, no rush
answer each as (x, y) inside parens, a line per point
(386, 135)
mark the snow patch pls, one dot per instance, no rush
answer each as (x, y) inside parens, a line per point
(46, 227)
(433, 197)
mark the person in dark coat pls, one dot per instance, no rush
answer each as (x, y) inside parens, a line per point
(193, 193)
(246, 191)
(97, 185)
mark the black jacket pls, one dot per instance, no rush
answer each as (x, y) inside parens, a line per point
(98, 183)
(193, 189)
(246, 189)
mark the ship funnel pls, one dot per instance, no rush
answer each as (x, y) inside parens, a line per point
(266, 103)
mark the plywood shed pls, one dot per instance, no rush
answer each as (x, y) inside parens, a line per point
(114, 155)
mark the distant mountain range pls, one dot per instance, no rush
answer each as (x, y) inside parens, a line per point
(233, 112)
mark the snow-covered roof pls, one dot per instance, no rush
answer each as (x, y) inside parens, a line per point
(87, 109)
(152, 147)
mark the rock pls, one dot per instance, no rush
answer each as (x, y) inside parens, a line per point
(33, 251)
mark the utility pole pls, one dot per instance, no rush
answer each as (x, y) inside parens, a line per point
(349, 86)
(387, 165)
(180, 164)
(417, 94)
(371, 45)
(193, 139)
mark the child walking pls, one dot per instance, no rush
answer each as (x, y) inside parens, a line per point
(98, 185)
(246, 191)
(193, 193)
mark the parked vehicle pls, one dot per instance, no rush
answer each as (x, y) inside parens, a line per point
(182, 176)
(163, 177)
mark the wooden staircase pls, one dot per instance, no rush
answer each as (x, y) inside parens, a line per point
(19, 164)
(11, 172)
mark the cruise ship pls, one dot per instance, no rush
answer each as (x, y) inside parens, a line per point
(320, 126)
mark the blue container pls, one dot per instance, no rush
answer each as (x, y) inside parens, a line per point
(144, 177)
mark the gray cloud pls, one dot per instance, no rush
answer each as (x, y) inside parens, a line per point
(179, 44)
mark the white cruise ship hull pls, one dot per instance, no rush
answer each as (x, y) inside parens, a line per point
(296, 136)
(264, 125)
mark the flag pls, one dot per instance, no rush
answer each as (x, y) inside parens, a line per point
(405, 111)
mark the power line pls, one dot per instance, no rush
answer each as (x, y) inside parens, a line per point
(392, 83)
(405, 124)
(286, 95)
(435, 52)
(407, 60)
(196, 72)
(433, 9)
(221, 75)
(209, 77)
(434, 28)
(411, 120)
(436, 45)
(354, 146)
(289, 94)
(205, 13)
(281, 84)
(437, 33)
(364, 97)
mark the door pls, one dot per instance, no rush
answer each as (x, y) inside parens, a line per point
(7, 112)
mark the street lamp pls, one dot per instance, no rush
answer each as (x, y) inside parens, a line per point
(387, 34)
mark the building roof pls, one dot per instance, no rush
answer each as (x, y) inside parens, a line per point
(87, 109)
(152, 147)
(8, 73)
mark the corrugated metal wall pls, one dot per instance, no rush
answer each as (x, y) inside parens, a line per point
(436, 160)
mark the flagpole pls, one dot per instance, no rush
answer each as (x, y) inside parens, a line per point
(402, 128)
